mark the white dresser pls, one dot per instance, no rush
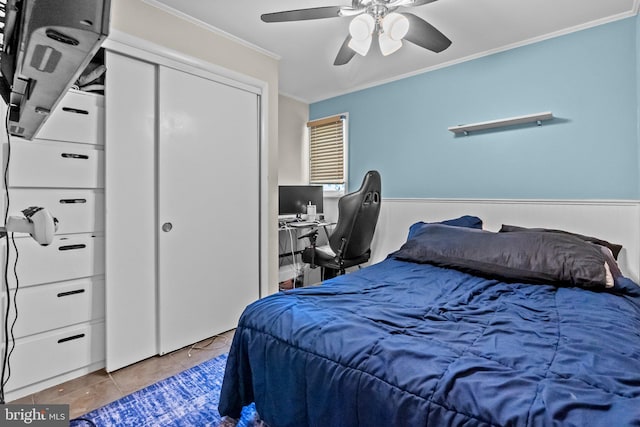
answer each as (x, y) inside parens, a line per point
(60, 326)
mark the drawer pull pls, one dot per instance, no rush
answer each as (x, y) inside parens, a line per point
(66, 294)
(66, 201)
(71, 338)
(72, 247)
(75, 156)
(75, 110)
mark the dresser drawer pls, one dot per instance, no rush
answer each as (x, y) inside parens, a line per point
(44, 356)
(79, 117)
(47, 307)
(69, 257)
(55, 164)
(77, 210)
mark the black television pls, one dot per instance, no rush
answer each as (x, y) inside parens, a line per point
(294, 199)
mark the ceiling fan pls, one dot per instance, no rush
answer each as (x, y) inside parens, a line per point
(373, 17)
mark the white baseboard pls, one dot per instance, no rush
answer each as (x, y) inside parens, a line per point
(612, 220)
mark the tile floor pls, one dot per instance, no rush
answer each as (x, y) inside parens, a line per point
(98, 388)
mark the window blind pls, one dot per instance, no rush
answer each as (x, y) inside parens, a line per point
(326, 150)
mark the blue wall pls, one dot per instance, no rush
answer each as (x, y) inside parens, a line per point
(588, 79)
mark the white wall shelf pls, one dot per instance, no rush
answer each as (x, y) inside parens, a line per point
(511, 121)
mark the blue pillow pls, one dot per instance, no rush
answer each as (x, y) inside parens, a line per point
(466, 221)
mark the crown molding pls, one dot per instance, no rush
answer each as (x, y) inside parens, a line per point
(209, 27)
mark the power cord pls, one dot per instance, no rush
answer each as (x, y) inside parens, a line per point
(6, 370)
(293, 259)
(282, 246)
(225, 342)
(15, 308)
(9, 335)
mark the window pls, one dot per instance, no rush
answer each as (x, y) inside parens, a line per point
(327, 159)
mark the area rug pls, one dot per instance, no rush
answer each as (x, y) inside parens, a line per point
(187, 399)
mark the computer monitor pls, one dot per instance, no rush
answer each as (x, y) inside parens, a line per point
(295, 198)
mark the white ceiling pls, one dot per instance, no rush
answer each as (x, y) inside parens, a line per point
(476, 27)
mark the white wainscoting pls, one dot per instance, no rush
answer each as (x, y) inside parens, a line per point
(612, 220)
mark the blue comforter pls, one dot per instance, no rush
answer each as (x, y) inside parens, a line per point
(405, 344)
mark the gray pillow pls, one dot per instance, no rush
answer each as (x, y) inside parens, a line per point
(521, 256)
(615, 248)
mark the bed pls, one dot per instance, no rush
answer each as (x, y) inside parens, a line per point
(459, 327)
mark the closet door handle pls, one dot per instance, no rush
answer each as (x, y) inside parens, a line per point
(68, 293)
(71, 338)
(75, 110)
(73, 201)
(74, 156)
(72, 247)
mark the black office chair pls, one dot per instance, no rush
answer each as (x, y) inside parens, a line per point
(350, 241)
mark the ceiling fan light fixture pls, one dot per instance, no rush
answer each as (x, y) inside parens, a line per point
(362, 26)
(388, 45)
(395, 25)
(361, 29)
(361, 47)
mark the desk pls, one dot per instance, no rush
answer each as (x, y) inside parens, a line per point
(304, 225)
(293, 272)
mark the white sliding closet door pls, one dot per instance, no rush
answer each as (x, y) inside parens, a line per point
(130, 228)
(208, 206)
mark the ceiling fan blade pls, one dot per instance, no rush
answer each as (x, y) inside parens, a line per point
(420, 2)
(408, 3)
(425, 35)
(345, 53)
(303, 14)
(352, 11)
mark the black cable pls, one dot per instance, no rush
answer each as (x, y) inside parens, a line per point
(5, 352)
(15, 307)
